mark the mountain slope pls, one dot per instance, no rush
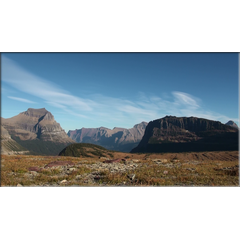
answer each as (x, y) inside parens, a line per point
(182, 134)
(8, 145)
(119, 139)
(37, 130)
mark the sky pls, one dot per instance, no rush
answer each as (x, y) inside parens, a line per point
(120, 89)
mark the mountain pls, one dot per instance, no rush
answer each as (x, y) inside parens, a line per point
(119, 139)
(8, 145)
(35, 123)
(37, 130)
(232, 124)
(184, 134)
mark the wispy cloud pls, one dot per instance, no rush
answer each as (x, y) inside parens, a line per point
(182, 98)
(105, 109)
(21, 99)
(26, 82)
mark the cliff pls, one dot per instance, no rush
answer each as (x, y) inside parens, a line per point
(183, 134)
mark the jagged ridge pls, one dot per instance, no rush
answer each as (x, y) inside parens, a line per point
(119, 139)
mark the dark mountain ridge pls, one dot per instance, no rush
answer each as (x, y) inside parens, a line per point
(183, 134)
(85, 150)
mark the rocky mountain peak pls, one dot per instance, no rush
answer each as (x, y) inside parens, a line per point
(48, 116)
(141, 125)
(36, 123)
(32, 112)
(41, 114)
(232, 124)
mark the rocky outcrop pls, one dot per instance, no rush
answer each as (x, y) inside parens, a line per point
(4, 134)
(119, 139)
(232, 124)
(36, 124)
(8, 145)
(183, 134)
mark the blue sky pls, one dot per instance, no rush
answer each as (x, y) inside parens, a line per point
(120, 89)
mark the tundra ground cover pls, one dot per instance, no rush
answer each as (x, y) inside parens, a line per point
(185, 169)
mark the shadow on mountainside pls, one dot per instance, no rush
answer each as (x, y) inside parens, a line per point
(219, 142)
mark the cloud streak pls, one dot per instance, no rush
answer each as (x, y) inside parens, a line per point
(26, 82)
(185, 99)
(104, 109)
(21, 99)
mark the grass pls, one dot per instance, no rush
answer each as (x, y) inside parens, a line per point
(186, 172)
(203, 174)
(86, 150)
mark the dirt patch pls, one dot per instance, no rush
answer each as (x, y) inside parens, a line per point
(35, 169)
(59, 163)
(115, 160)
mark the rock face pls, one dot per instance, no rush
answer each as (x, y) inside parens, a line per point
(184, 134)
(4, 134)
(232, 124)
(119, 139)
(36, 123)
(8, 145)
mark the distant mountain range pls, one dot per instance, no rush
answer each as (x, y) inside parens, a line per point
(119, 139)
(184, 134)
(36, 132)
